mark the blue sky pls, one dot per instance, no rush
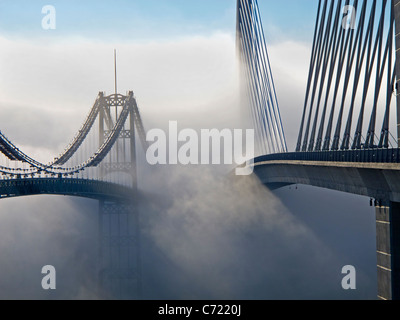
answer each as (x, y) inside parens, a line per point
(153, 19)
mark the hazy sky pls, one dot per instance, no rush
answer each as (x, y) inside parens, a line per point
(178, 56)
(171, 53)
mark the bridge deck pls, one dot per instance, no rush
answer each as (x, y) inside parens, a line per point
(93, 189)
(352, 156)
(379, 180)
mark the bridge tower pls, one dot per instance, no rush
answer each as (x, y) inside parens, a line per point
(396, 8)
(119, 233)
(353, 79)
(257, 86)
(388, 212)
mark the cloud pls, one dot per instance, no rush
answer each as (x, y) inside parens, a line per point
(203, 236)
(185, 79)
(289, 62)
(54, 86)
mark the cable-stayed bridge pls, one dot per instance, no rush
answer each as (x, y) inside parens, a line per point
(350, 126)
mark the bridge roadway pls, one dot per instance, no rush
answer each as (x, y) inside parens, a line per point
(98, 190)
(373, 173)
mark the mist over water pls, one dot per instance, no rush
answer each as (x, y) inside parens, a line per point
(48, 230)
(204, 235)
(222, 238)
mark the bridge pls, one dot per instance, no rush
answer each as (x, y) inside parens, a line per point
(353, 71)
(352, 89)
(99, 164)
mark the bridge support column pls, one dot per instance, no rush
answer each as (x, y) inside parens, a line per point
(396, 8)
(120, 274)
(388, 250)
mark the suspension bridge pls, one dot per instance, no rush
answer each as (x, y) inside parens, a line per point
(100, 164)
(352, 88)
(349, 130)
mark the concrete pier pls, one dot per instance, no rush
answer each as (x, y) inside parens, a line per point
(388, 250)
(380, 181)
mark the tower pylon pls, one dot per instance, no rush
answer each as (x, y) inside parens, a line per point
(119, 230)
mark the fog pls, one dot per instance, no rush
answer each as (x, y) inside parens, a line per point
(235, 239)
(204, 235)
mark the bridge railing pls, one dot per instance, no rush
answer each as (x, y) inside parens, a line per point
(361, 156)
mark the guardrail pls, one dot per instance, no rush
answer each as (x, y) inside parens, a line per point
(363, 156)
